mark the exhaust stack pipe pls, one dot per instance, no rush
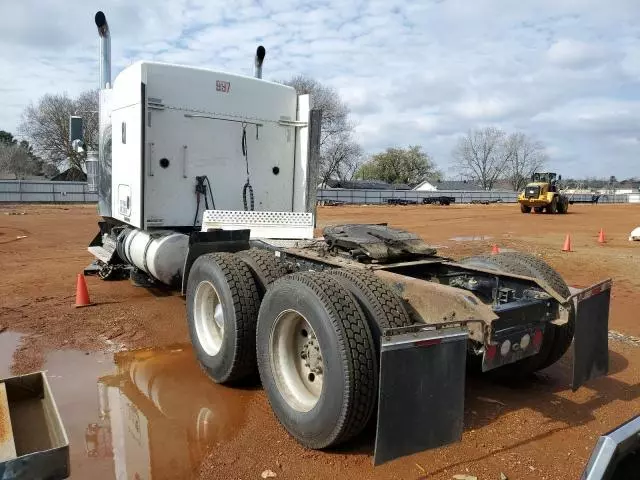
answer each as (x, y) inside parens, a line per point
(105, 50)
(99, 165)
(260, 53)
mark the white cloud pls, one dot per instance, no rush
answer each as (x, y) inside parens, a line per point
(483, 109)
(420, 72)
(567, 52)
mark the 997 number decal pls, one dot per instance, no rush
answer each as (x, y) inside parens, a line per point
(222, 86)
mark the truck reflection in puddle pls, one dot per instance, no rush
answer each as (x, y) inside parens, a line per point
(159, 414)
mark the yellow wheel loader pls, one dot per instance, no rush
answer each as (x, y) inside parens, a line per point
(543, 195)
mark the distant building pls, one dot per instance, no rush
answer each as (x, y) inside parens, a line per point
(72, 174)
(616, 191)
(432, 186)
(425, 186)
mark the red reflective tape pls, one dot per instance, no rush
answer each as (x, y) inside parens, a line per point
(593, 291)
(428, 343)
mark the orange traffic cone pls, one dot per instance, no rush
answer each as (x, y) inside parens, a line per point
(495, 250)
(567, 244)
(82, 294)
(601, 236)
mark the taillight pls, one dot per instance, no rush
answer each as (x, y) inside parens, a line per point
(490, 352)
(537, 338)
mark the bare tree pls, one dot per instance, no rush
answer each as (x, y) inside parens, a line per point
(46, 125)
(341, 158)
(340, 155)
(482, 155)
(526, 157)
(16, 160)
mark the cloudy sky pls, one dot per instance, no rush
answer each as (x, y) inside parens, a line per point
(567, 72)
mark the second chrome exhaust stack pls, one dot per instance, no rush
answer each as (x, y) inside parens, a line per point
(260, 53)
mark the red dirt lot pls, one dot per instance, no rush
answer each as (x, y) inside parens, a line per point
(533, 428)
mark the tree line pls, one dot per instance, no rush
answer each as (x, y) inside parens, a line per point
(483, 155)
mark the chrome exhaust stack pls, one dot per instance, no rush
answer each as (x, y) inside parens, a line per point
(99, 166)
(105, 50)
(260, 53)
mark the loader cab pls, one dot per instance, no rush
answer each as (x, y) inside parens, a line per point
(542, 183)
(545, 177)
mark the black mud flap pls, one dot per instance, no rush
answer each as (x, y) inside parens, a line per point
(591, 341)
(421, 391)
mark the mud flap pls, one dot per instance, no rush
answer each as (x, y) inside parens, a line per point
(591, 341)
(421, 391)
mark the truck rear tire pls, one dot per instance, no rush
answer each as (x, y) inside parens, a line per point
(553, 206)
(222, 310)
(557, 338)
(264, 266)
(525, 208)
(381, 306)
(316, 359)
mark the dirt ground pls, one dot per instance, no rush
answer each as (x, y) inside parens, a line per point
(535, 428)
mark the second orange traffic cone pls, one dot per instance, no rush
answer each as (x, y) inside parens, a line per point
(495, 250)
(82, 293)
(601, 238)
(567, 244)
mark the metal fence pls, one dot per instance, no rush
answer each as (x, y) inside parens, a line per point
(461, 196)
(17, 191)
(383, 196)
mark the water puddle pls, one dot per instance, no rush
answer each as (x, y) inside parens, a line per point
(475, 238)
(143, 414)
(139, 415)
(8, 343)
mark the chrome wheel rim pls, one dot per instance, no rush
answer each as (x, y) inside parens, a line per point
(209, 318)
(296, 360)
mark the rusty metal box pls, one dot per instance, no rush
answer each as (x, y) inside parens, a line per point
(33, 441)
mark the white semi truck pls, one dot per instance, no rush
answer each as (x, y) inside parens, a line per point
(206, 182)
